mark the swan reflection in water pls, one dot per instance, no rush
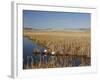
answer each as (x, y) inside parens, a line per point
(47, 59)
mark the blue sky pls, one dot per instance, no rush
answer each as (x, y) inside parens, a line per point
(55, 20)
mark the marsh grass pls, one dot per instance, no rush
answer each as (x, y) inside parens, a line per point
(68, 47)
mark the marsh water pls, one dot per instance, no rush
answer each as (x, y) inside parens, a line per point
(28, 47)
(29, 58)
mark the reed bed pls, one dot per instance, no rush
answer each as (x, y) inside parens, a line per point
(67, 46)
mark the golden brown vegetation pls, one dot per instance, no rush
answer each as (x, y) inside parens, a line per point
(74, 43)
(64, 43)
